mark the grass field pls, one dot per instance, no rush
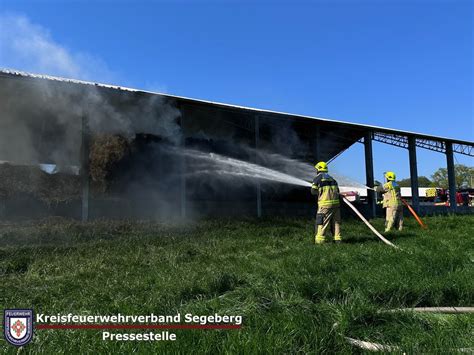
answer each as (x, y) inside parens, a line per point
(290, 291)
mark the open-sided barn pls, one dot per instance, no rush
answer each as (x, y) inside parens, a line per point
(82, 149)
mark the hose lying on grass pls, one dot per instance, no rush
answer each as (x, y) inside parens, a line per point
(370, 346)
(448, 310)
(367, 345)
(412, 211)
(368, 224)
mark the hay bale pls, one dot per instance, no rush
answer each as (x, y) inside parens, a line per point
(105, 152)
(31, 180)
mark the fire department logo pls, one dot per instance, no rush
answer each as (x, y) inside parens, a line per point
(18, 326)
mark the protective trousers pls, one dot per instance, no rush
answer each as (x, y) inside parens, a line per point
(328, 219)
(394, 218)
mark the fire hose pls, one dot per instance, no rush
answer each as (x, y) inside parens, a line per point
(385, 240)
(418, 219)
(371, 346)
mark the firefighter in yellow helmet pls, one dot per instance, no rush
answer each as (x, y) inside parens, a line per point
(328, 216)
(392, 202)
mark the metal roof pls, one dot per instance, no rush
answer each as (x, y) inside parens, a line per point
(389, 131)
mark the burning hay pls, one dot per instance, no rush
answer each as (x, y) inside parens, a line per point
(32, 181)
(106, 151)
(55, 187)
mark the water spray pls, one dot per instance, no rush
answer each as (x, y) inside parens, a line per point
(223, 166)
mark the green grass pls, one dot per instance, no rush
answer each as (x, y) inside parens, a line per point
(290, 291)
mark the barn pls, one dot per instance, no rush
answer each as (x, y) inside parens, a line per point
(86, 150)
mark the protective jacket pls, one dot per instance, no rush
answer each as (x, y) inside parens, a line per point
(391, 196)
(326, 189)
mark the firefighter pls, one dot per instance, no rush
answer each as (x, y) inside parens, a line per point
(392, 202)
(328, 216)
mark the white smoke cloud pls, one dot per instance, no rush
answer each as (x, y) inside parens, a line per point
(30, 47)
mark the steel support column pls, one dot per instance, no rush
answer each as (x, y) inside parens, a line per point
(258, 188)
(369, 173)
(415, 198)
(85, 141)
(451, 176)
(182, 168)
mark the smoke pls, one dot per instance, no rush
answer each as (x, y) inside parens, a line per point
(41, 123)
(285, 139)
(41, 120)
(31, 47)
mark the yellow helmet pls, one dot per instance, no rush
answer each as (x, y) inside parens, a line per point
(390, 176)
(321, 167)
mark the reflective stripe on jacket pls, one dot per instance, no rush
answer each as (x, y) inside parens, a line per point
(391, 196)
(325, 187)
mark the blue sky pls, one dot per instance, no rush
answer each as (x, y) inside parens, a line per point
(399, 64)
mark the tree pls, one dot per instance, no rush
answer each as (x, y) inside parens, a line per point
(423, 181)
(464, 176)
(404, 182)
